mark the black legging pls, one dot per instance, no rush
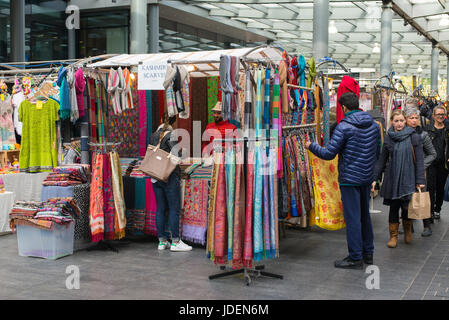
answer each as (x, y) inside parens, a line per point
(395, 206)
(436, 179)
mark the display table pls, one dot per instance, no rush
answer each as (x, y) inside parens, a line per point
(25, 186)
(6, 204)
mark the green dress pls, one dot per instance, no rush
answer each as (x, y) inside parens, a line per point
(38, 151)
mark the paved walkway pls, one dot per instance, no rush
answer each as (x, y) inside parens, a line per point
(419, 270)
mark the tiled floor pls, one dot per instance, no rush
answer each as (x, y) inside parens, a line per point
(419, 270)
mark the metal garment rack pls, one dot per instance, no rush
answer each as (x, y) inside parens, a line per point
(256, 271)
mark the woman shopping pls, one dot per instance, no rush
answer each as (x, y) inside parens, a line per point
(168, 194)
(402, 161)
(412, 114)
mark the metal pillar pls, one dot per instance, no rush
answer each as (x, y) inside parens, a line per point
(138, 26)
(320, 29)
(434, 69)
(71, 43)
(17, 30)
(385, 38)
(153, 41)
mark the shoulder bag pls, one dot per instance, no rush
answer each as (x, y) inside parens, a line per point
(159, 164)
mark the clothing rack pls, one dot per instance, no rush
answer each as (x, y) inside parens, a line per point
(299, 87)
(257, 271)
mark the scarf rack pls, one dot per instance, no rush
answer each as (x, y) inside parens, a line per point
(258, 270)
(105, 244)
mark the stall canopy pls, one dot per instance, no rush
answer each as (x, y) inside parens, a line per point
(199, 63)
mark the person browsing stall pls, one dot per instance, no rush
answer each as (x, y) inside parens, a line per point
(217, 128)
(356, 140)
(402, 162)
(168, 194)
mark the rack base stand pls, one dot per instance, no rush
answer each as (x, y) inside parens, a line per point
(104, 245)
(256, 272)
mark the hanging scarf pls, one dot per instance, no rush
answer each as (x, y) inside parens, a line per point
(118, 194)
(220, 244)
(113, 90)
(96, 200)
(225, 85)
(266, 108)
(283, 81)
(258, 195)
(266, 207)
(122, 89)
(273, 205)
(258, 119)
(172, 110)
(402, 167)
(185, 90)
(277, 125)
(127, 89)
(230, 196)
(108, 199)
(312, 72)
(143, 123)
(239, 212)
(92, 116)
(80, 84)
(248, 239)
(64, 94)
(211, 207)
(248, 122)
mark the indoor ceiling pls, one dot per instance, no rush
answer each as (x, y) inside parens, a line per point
(354, 28)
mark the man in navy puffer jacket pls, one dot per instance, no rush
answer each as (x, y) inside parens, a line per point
(356, 140)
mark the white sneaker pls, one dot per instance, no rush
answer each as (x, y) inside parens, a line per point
(180, 246)
(163, 245)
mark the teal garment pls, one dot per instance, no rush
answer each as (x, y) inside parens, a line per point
(64, 94)
(258, 194)
(230, 194)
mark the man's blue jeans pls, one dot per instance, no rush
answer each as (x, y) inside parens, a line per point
(359, 230)
(168, 196)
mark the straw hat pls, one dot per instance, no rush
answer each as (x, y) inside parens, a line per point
(217, 107)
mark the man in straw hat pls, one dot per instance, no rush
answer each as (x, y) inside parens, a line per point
(223, 126)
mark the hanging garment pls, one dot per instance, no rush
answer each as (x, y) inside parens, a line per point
(16, 100)
(38, 150)
(248, 122)
(258, 196)
(266, 110)
(239, 212)
(312, 72)
(194, 218)
(80, 84)
(142, 123)
(347, 84)
(266, 208)
(211, 208)
(96, 199)
(259, 114)
(230, 194)
(150, 209)
(64, 95)
(177, 90)
(118, 195)
(220, 243)
(185, 92)
(92, 112)
(283, 81)
(248, 255)
(226, 85)
(328, 205)
(100, 117)
(277, 125)
(74, 113)
(274, 232)
(113, 90)
(121, 89)
(108, 199)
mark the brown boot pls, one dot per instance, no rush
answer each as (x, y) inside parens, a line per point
(408, 224)
(394, 227)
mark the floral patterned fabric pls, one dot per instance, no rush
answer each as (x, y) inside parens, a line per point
(328, 206)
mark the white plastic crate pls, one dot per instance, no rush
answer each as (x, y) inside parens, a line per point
(48, 244)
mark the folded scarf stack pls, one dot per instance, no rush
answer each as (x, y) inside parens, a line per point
(68, 175)
(44, 214)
